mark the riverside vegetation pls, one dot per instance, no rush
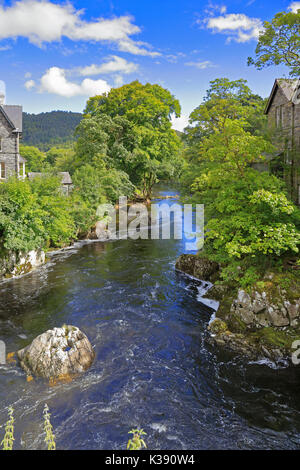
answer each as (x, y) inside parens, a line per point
(252, 227)
(124, 145)
(135, 443)
(8, 440)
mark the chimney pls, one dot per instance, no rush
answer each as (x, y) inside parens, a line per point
(2, 98)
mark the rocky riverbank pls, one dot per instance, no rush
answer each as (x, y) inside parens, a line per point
(14, 264)
(262, 322)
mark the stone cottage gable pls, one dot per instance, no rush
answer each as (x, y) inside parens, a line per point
(10, 129)
(281, 109)
(6, 125)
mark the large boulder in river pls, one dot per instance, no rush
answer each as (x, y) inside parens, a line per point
(201, 268)
(57, 353)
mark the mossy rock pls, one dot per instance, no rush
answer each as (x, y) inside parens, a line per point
(198, 266)
(218, 327)
(277, 284)
(236, 324)
(273, 338)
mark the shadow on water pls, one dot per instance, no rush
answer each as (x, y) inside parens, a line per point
(153, 366)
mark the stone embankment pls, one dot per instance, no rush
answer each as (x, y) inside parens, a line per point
(262, 322)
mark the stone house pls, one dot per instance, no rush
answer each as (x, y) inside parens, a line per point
(11, 162)
(283, 111)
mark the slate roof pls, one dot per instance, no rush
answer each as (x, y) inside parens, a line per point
(14, 113)
(66, 178)
(288, 86)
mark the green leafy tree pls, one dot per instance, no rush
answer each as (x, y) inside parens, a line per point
(279, 43)
(35, 158)
(129, 129)
(64, 159)
(21, 219)
(224, 100)
(250, 223)
(57, 221)
(34, 215)
(96, 184)
(226, 128)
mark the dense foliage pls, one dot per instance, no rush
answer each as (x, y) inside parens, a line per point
(35, 214)
(124, 145)
(250, 223)
(52, 128)
(279, 43)
(56, 159)
(129, 129)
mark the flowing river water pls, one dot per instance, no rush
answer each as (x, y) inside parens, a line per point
(153, 368)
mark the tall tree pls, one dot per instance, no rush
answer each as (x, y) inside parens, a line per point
(227, 127)
(130, 128)
(279, 43)
(249, 220)
(35, 158)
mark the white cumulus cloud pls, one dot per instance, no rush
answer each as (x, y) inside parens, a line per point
(237, 26)
(55, 81)
(136, 47)
(294, 7)
(201, 64)
(213, 8)
(29, 84)
(114, 64)
(42, 21)
(5, 48)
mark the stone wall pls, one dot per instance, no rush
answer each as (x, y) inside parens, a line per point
(285, 131)
(287, 137)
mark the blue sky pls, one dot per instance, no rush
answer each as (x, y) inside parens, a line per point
(55, 54)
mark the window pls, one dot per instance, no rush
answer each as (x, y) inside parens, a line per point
(2, 170)
(22, 173)
(279, 115)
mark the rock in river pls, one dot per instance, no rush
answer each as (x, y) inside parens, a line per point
(201, 268)
(59, 352)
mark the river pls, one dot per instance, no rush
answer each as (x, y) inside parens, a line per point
(153, 369)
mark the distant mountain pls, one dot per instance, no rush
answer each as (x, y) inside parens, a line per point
(45, 130)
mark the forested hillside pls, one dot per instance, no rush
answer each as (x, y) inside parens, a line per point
(47, 129)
